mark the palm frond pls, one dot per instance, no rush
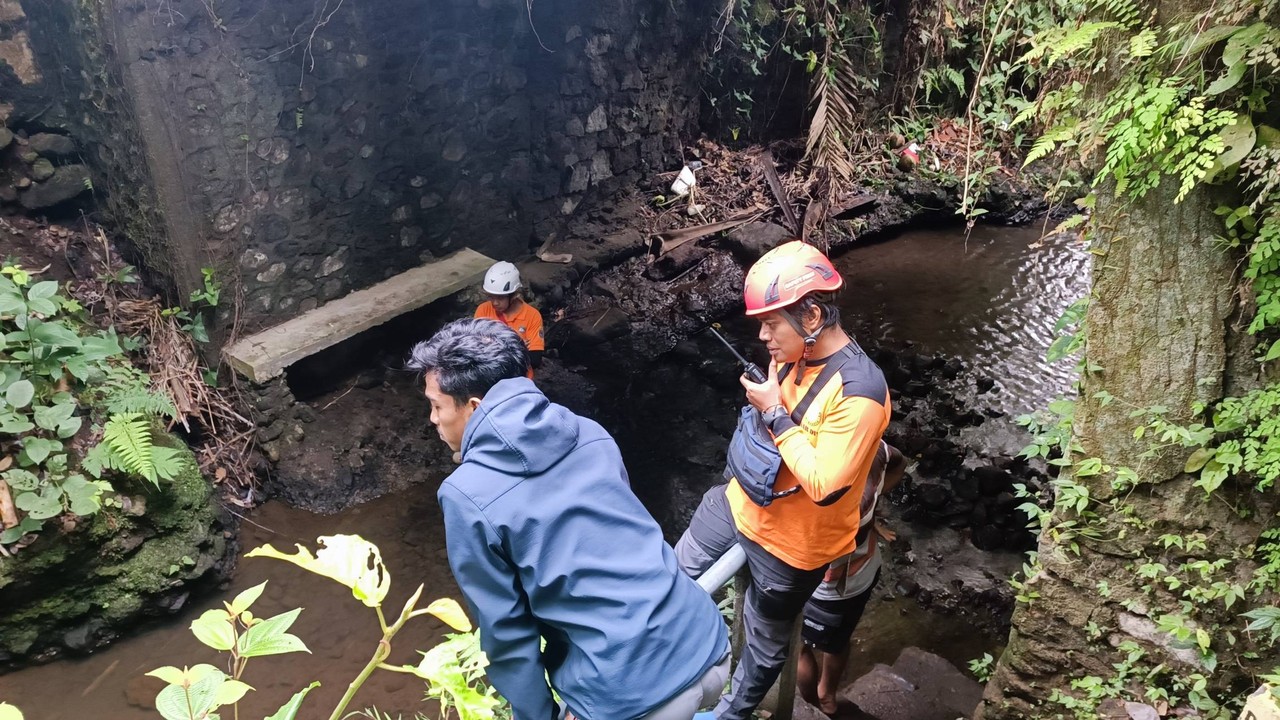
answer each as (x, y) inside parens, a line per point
(835, 124)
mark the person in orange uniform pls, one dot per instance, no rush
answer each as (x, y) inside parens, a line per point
(504, 303)
(825, 405)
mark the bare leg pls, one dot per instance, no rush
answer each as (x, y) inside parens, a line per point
(807, 675)
(829, 681)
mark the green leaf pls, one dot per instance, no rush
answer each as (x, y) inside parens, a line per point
(21, 480)
(195, 698)
(1238, 140)
(20, 393)
(168, 674)
(1229, 79)
(14, 424)
(246, 598)
(42, 506)
(230, 692)
(41, 306)
(101, 346)
(269, 637)
(55, 334)
(1268, 136)
(84, 497)
(349, 559)
(43, 290)
(50, 417)
(1198, 460)
(1273, 352)
(213, 628)
(289, 711)
(69, 427)
(37, 449)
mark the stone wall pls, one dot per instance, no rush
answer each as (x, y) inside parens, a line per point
(310, 149)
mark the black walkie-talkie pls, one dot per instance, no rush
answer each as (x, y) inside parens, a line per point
(750, 369)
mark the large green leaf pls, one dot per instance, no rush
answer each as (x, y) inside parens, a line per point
(36, 449)
(213, 628)
(21, 480)
(55, 334)
(20, 393)
(270, 637)
(41, 506)
(194, 697)
(84, 496)
(349, 559)
(43, 290)
(50, 417)
(289, 711)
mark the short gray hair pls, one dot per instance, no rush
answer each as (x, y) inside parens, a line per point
(470, 356)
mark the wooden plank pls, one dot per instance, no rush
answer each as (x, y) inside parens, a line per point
(266, 354)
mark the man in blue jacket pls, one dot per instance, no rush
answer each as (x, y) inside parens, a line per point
(548, 542)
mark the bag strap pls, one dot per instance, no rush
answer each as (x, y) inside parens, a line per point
(829, 370)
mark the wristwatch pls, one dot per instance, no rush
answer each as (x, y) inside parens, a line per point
(774, 414)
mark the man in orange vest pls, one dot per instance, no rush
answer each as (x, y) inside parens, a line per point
(504, 303)
(825, 405)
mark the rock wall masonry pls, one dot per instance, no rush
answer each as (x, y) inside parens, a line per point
(310, 149)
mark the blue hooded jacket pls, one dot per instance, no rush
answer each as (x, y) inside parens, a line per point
(547, 540)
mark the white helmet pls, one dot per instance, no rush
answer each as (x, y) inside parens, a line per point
(502, 279)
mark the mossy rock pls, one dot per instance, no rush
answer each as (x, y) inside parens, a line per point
(79, 590)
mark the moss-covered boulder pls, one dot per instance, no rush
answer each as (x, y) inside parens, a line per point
(78, 588)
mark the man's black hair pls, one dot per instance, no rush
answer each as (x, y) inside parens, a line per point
(470, 356)
(828, 311)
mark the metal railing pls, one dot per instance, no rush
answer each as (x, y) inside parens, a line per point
(732, 567)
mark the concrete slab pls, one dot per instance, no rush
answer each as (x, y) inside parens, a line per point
(266, 354)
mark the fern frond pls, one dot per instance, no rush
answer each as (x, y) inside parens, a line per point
(129, 437)
(127, 390)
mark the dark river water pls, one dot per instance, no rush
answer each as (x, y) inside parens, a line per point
(990, 299)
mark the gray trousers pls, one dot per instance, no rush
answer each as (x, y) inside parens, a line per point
(774, 599)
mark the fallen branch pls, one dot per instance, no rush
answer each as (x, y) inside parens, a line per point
(664, 242)
(765, 159)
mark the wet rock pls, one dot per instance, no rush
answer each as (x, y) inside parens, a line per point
(66, 184)
(988, 538)
(83, 638)
(748, 242)
(574, 336)
(50, 145)
(985, 384)
(933, 495)
(952, 368)
(966, 487)
(992, 480)
(6, 137)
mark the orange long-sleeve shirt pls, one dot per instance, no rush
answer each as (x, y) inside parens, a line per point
(830, 450)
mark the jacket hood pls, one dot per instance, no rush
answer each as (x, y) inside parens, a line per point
(518, 431)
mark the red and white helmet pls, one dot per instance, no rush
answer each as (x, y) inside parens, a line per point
(787, 273)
